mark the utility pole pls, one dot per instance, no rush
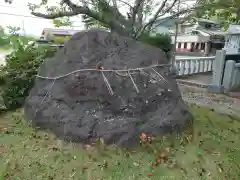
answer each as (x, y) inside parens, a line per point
(175, 37)
(23, 26)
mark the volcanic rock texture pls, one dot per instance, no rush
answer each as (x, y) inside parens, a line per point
(117, 106)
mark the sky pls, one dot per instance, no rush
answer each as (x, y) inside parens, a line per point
(18, 14)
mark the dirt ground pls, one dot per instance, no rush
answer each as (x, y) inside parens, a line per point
(226, 104)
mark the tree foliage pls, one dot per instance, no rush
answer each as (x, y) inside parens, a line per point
(3, 37)
(2, 31)
(162, 41)
(13, 30)
(225, 11)
(59, 22)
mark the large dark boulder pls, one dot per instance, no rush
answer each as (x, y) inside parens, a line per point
(80, 106)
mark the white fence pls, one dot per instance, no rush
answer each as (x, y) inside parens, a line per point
(194, 65)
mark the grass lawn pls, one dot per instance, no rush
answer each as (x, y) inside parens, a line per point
(212, 153)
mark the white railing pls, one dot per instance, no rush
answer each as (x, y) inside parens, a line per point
(194, 65)
(231, 78)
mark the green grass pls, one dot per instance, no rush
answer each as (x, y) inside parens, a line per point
(212, 153)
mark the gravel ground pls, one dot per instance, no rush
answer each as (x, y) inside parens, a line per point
(219, 102)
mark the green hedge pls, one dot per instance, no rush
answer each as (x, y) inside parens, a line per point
(162, 41)
(61, 39)
(8, 41)
(18, 75)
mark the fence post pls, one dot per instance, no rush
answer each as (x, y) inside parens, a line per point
(228, 75)
(218, 66)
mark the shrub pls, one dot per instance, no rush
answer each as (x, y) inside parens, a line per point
(18, 75)
(3, 41)
(162, 41)
(61, 40)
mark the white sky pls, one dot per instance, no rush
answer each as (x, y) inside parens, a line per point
(18, 14)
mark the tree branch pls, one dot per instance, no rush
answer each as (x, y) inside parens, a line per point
(140, 15)
(166, 19)
(71, 5)
(175, 15)
(113, 23)
(54, 15)
(115, 4)
(135, 12)
(129, 5)
(169, 8)
(151, 22)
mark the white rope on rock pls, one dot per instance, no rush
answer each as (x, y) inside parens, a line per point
(107, 84)
(102, 70)
(144, 73)
(134, 84)
(124, 74)
(45, 96)
(50, 88)
(129, 74)
(159, 75)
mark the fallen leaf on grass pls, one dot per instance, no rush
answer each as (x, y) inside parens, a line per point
(201, 143)
(162, 157)
(118, 163)
(46, 136)
(92, 158)
(153, 166)
(207, 150)
(150, 174)
(84, 168)
(54, 148)
(184, 170)
(172, 164)
(36, 149)
(3, 130)
(219, 169)
(158, 161)
(128, 154)
(143, 137)
(136, 164)
(146, 139)
(133, 152)
(167, 149)
(104, 165)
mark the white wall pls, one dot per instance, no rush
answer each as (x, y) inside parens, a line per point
(191, 38)
(161, 29)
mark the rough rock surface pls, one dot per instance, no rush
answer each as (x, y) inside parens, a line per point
(79, 107)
